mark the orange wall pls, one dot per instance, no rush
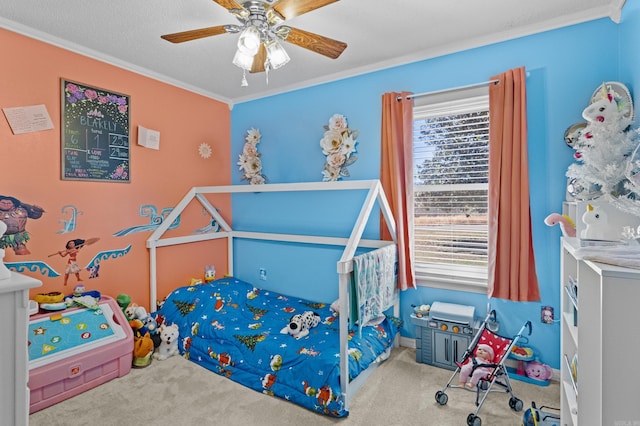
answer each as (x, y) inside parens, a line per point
(30, 75)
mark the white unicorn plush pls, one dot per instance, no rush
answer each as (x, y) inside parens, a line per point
(596, 222)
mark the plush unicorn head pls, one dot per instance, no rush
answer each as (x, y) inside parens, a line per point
(596, 222)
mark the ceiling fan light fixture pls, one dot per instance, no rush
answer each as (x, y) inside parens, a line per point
(243, 60)
(249, 40)
(276, 54)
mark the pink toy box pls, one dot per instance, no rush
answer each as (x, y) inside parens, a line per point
(75, 350)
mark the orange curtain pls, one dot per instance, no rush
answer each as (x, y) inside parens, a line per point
(512, 269)
(396, 176)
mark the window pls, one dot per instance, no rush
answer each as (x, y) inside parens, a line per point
(451, 170)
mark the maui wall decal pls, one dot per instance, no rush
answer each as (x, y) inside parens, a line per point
(14, 213)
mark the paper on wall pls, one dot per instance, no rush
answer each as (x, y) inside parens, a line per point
(148, 138)
(28, 119)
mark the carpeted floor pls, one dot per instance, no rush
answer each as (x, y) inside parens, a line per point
(177, 392)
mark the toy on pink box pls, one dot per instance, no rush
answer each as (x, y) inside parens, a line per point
(75, 350)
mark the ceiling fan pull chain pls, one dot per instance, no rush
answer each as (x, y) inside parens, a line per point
(244, 82)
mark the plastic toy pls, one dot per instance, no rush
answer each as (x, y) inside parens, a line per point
(522, 354)
(535, 416)
(52, 297)
(421, 310)
(536, 370)
(83, 298)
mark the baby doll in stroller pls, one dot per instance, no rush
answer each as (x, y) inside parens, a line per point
(481, 365)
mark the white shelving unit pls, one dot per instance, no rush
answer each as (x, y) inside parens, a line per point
(14, 373)
(600, 305)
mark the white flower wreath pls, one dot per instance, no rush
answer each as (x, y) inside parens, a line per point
(339, 145)
(249, 160)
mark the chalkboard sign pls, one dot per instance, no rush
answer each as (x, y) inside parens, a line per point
(95, 134)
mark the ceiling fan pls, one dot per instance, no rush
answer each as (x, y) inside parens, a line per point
(261, 31)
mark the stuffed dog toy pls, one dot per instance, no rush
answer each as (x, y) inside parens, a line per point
(300, 324)
(168, 342)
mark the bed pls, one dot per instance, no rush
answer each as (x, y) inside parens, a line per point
(234, 328)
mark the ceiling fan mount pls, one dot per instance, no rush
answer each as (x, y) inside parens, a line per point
(261, 29)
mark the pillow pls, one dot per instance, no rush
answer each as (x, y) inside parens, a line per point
(335, 308)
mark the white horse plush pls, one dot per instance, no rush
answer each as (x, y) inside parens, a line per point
(596, 222)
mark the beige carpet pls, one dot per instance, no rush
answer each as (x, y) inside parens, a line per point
(177, 392)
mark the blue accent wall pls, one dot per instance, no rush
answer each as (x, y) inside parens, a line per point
(565, 66)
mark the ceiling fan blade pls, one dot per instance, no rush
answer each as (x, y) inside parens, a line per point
(316, 43)
(194, 34)
(291, 8)
(259, 59)
(229, 4)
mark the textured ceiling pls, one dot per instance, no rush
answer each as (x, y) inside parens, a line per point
(379, 34)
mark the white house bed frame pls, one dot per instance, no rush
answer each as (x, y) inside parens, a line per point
(344, 265)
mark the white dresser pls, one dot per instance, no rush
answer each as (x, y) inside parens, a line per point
(14, 373)
(600, 324)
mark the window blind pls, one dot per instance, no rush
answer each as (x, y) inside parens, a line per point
(451, 161)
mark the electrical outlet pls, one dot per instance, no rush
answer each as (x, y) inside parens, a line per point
(546, 314)
(263, 274)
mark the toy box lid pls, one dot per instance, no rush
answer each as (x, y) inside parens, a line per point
(461, 314)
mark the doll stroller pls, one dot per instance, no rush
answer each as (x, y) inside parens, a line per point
(497, 373)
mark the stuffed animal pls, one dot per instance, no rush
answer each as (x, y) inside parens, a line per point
(168, 347)
(567, 226)
(300, 324)
(150, 325)
(538, 371)
(142, 351)
(134, 311)
(596, 222)
(209, 273)
(123, 301)
(141, 326)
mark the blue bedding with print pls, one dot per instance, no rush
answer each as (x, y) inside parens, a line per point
(234, 330)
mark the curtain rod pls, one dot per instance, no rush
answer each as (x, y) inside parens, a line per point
(437, 92)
